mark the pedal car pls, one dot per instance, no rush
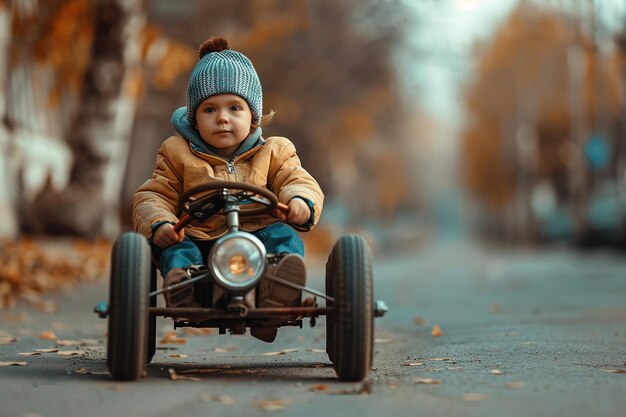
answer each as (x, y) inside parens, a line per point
(236, 263)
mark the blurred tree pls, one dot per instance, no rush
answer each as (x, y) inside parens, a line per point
(541, 88)
(76, 73)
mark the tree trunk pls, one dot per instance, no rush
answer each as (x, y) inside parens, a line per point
(100, 134)
(8, 225)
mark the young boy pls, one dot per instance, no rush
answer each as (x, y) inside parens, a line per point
(220, 138)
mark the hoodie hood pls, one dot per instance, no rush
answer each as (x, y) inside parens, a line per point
(183, 127)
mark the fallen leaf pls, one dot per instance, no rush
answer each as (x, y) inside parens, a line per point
(474, 396)
(223, 399)
(5, 340)
(271, 405)
(198, 331)
(176, 377)
(177, 355)
(172, 338)
(383, 341)
(428, 381)
(496, 372)
(318, 388)
(615, 371)
(436, 331)
(418, 321)
(29, 353)
(48, 350)
(454, 368)
(317, 350)
(48, 335)
(413, 364)
(71, 352)
(281, 352)
(515, 385)
(13, 363)
(225, 349)
(205, 370)
(84, 371)
(439, 359)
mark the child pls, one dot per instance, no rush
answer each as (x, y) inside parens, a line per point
(220, 138)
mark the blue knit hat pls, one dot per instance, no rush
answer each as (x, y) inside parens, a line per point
(222, 71)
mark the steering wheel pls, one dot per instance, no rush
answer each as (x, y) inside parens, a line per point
(201, 202)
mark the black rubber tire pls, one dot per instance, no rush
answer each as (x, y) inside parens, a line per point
(151, 338)
(128, 307)
(350, 330)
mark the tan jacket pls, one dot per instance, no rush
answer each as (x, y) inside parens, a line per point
(273, 164)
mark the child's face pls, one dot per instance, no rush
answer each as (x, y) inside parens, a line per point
(224, 121)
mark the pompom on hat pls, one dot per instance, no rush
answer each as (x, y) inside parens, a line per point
(223, 71)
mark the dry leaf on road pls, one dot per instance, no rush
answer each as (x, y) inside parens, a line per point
(5, 340)
(48, 335)
(615, 371)
(281, 352)
(71, 352)
(177, 355)
(176, 377)
(436, 331)
(515, 385)
(198, 331)
(381, 341)
(427, 381)
(224, 349)
(172, 338)
(474, 396)
(29, 353)
(496, 372)
(271, 405)
(318, 388)
(47, 350)
(413, 364)
(13, 363)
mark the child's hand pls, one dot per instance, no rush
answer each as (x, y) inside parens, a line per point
(299, 211)
(165, 236)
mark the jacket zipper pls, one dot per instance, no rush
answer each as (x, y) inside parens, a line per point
(230, 166)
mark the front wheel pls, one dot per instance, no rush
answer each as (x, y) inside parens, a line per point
(128, 307)
(349, 328)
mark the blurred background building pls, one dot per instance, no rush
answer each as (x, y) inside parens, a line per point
(498, 119)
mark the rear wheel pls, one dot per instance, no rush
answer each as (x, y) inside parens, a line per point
(128, 307)
(349, 329)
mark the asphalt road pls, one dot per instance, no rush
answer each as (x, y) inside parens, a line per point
(524, 333)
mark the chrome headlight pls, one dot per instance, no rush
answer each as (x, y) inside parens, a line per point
(237, 261)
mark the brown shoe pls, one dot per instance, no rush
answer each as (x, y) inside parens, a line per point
(266, 334)
(182, 296)
(290, 268)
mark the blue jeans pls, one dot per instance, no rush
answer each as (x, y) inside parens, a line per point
(277, 238)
